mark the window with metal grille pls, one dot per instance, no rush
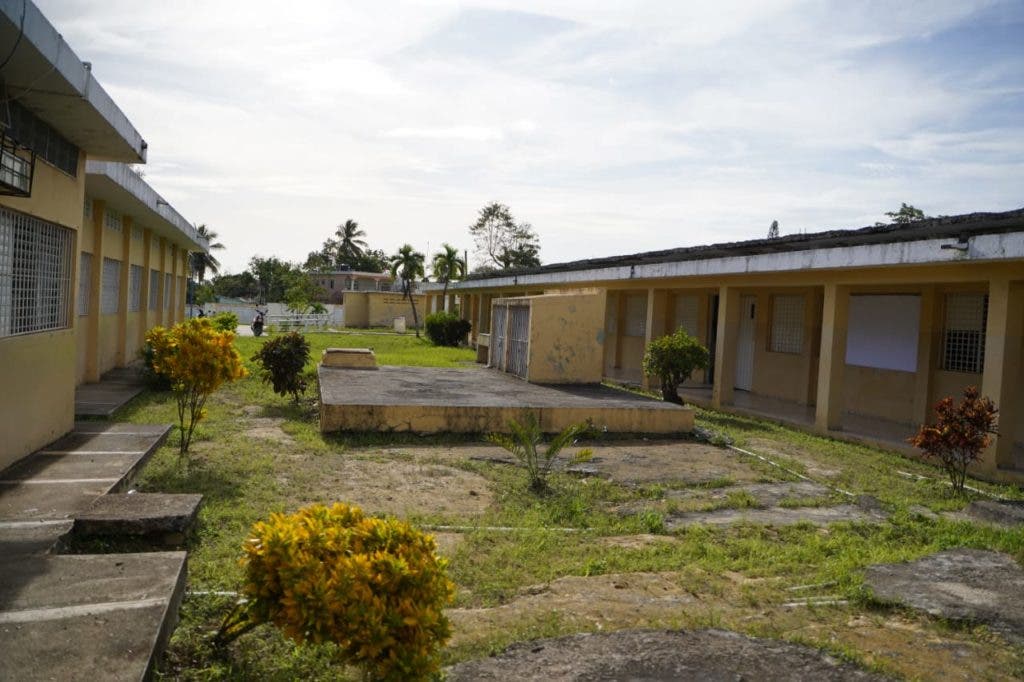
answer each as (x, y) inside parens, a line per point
(47, 143)
(154, 289)
(112, 219)
(35, 274)
(787, 334)
(87, 211)
(110, 291)
(167, 290)
(636, 315)
(963, 347)
(687, 313)
(84, 280)
(134, 288)
(137, 233)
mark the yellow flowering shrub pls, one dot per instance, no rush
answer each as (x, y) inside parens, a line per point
(196, 359)
(375, 587)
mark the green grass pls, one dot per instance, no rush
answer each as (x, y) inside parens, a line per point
(244, 478)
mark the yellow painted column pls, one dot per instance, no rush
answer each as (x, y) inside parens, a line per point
(122, 305)
(147, 243)
(161, 283)
(92, 322)
(172, 309)
(657, 304)
(1003, 333)
(926, 344)
(832, 359)
(725, 346)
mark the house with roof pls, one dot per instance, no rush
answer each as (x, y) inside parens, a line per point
(91, 256)
(851, 333)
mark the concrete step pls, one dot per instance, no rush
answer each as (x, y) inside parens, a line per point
(163, 517)
(87, 617)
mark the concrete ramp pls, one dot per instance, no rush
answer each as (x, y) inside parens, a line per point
(477, 400)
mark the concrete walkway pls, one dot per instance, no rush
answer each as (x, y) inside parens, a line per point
(112, 392)
(88, 617)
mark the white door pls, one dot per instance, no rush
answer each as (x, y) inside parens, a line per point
(745, 343)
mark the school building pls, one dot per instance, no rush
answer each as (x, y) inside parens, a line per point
(90, 255)
(853, 333)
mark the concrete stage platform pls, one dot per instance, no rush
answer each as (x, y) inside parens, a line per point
(480, 400)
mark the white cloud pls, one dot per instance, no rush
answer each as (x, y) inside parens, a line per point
(612, 126)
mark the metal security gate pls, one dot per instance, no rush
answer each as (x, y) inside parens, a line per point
(498, 337)
(518, 339)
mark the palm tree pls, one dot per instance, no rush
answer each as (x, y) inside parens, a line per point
(448, 266)
(408, 264)
(201, 261)
(350, 244)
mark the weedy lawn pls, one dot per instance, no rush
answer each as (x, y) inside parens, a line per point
(591, 554)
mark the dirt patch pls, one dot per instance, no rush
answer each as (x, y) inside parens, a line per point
(400, 488)
(660, 655)
(772, 449)
(630, 463)
(447, 543)
(604, 602)
(639, 541)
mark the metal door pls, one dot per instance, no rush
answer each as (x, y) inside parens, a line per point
(518, 339)
(498, 337)
(745, 343)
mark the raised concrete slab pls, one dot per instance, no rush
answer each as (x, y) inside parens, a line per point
(652, 656)
(1005, 514)
(65, 477)
(971, 585)
(764, 494)
(777, 516)
(88, 617)
(478, 400)
(351, 358)
(109, 394)
(170, 516)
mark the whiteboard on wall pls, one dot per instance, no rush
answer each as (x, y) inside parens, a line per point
(882, 331)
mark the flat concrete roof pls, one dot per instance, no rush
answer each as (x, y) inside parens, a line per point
(480, 400)
(124, 190)
(982, 236)
(47, 77)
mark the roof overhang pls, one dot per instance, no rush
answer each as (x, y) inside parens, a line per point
(48, 78)
(123, 190)
(974, 238)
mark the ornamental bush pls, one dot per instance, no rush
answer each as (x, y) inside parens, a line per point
(673, 359)
(283, 359)
(446, 329)
(375, 587)
(225, 322)
(196, 359)
(961, 432)
(523, 440)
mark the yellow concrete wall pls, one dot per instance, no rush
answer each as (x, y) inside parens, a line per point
(566, 339)
(37, 404)
(882, 393)
(109, 327)
(357, 309)
(785, 375)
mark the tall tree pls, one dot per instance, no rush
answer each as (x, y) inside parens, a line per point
(275, 276)
(201, 261)
(773, 230)
(503, 242)
(906, 215)
(447, 266)
(408, 265)
(350, 242)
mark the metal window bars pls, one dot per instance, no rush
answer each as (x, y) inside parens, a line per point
(84, 280)
(17, 167)
(963, 347)
(110, 291)
(787, 324)
(35, 274)
(134, 288)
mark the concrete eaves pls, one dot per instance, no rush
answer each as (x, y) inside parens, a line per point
(122, 189)
(46, 76)
(986, 237)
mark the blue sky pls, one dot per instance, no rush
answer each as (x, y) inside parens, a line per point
(612, 127)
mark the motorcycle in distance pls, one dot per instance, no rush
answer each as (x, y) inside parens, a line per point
(257, 323)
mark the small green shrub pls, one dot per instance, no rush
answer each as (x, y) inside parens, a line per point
(522, 442)
(672, 359)
(446, 329)
(375, 587)
(225, 322)
(283, 359)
